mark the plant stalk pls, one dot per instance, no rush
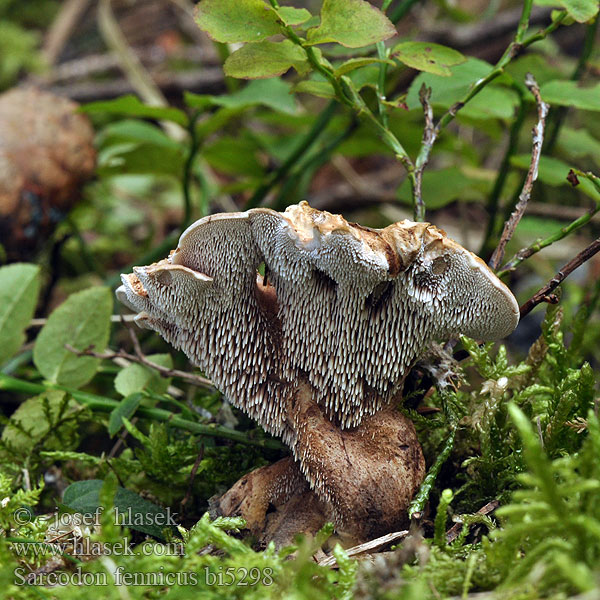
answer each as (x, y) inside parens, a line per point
(102, 404)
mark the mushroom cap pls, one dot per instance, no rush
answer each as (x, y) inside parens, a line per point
(346, 307)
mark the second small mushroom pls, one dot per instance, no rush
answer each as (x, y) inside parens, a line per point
(318, 348)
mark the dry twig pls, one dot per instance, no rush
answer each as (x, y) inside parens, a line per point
(430, 133)
(455, 530)
(369, 546)
(62, 27)
(532, 173)
(141, 359)
(563, 232)
(544, 295)
(131, 65)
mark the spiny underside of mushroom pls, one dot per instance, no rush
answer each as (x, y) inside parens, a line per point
(345, 308)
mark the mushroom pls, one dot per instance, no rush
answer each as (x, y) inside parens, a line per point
(318, 348)
(46, 154)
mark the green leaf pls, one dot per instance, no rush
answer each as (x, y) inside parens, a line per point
(83, 320)
(126, 408)
(265, 59)
(492, 102)
(366, 76)
(553, 171)
(18, 49)
(134, 130)
(293, 16)
(19, 289)
(357, 63)
(322, 89)
(446, 185)
(532, 63)
(43, 419)
(581, 10)
(432, 58)
(131, 105)
(579, 143)
(234, 155)
(274, 93)
(140, 158)
(136, 378)
(569, 93)
(133, 511)
(351, 23)
(230, 21)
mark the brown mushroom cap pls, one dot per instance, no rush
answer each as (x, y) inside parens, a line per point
(345, 307)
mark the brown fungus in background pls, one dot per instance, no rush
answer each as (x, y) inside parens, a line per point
(46, 153)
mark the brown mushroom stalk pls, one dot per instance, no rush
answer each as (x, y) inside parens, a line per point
(317, 352)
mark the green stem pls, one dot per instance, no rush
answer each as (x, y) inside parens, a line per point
(347, 95)
(511, 52)
(100, 403)
(417, 195)
(18, 361)
(188, 171)
(309, 165)
(493, 201)
(557, 116)
(563, 232)
(402, 10)
(418, 504)
(88, 257)
(305, 144)
(382, 53)
(524, 21)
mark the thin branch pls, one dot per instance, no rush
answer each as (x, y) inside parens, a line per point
(538, 140)
(113, 319)
(140, 359)
(132, 66)
(494, 197)
(303, 147)
(62, 28)
(544, 295)
(455, 530)
(513, 50)
(563, 232)
(186, 183)
(100, 403)
(430, 133)
(370, 546)
(383, 54)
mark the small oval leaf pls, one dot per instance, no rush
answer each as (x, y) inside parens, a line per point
(425, 56)
(19, 289)
(581, 10)
(126, 408)
(83, 320)
(136, 378)
(351, 23)
(230, 21)
(569, 93)
(265, 59)
(133, 510)
(293, 16)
